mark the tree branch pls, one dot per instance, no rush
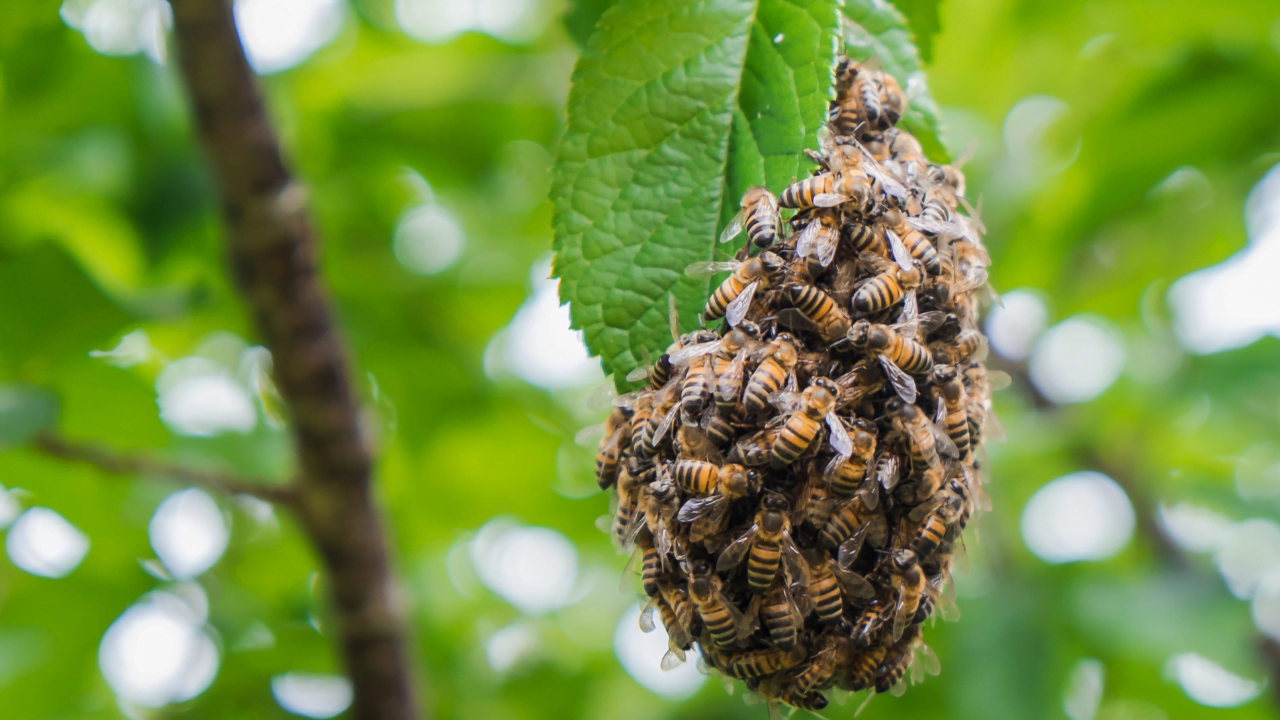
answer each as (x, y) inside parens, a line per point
(273, 259)
(117, 463)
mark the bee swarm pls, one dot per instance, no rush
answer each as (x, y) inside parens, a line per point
(794, 485)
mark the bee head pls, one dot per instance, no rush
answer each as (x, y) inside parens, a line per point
(770, 262)
(859, 334)
(827, 384)
(878, 337)
(904, 559)
(894, 406)
(701, 568)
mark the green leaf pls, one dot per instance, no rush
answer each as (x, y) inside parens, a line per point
(874, 28)
(25, 410)
(676, 108)
(581, 17)
(925, 22)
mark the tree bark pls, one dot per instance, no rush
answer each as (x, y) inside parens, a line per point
(273, 258)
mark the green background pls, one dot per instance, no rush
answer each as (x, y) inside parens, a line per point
(107, 226)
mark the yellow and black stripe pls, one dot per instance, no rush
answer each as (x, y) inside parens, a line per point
(728, 291)
(824, 593)
(862, 669)
(778, 619)
(800, 194)
(696, 392)
(931, 534)
(796, 437)
(845, 520)
(878, 293)
(715, 616)
(762, 565)
(660, 373)
(762, 225)
(765, 381)
(650, 569)
(921, 249)
(847, 477)
(911, 356)
(869, 624)
(697, 477)
(811, 301)
(754, 663)
(718, 430)
(864, 238)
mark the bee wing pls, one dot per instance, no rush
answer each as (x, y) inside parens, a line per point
(847, 553)
(734, 227)
(699, 445)
(805, 242)
(931, 320)
(737, 550)
(830, 242)
(929, 660)
(939, 228)
(646, 616)
(737, 309)
(729, 382)
(873, 261)
(794, 561)
(898, 690)
(940, 412)
(794, 319)
(901, 255)
(887, 472)
(839, 437)
(919, 512)
(904, 384)
(710, 267)
(741, 624)
(702, 507)
(588, 435)
(908, 324)
(946, 446)
(899, 612)
(787, 402)
(689, 352)
(872, 167)
(992, 428)
(826, 200)
(973, 277)
(673, 659)
(665, 425)
(834, 465)
(870, 492)
(853, 583)
(638, 374)
(998, 380)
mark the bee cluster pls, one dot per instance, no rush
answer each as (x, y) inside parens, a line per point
(827, 434)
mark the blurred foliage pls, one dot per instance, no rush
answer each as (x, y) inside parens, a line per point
(107, 225)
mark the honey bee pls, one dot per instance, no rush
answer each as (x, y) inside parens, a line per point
(836, 187)
(661, 503)
(953, 405)
(832, 323)
(755, 449)
(915, 241)
(676, 611)
(959, 350)
(846, 474)
(695, 394)
(779, 614)
(726, 624)
(663, 415)
(817, 403)
(862, 381)
(775, 371)
(936, 518)
(887, 287)
(821, 666)
(759, 214)
(814, 504)
(820, 238)
(650, 565)
(626, 520)
(869, 623)
(861, 668)
(894, 665)
(851, 524)
(927, 444)
(897, 352)
(732, 298)
(880, 98)
(905, 574)
(886, 472)
(829, 583)
(730, 362)
(770, 547)
(617, 432)
(748, 664)
(716, 488)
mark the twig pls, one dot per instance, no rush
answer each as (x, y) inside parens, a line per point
(273, 258)
(117, 463)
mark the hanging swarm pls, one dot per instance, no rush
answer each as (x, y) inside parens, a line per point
(794, 483)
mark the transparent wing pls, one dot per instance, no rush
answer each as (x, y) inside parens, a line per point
(807, 238)
(940, 228)
(646, 616)
(737, 550)
(589, 435)
(887, 472)
(638, 374)
(839, 437)
(853, 583)
(876, 263)
(786, 402)
(901, 255)
(826, 200)
(710, 267)
(665, 425)
(794, 561)
(908, 324)
(795, 320)
(929, 660)
(973, 277)
(847, 553)
(946, 446)
(899, 612)
(826, 247)
(702, 507)
(737, 309)
(672, 660)
(697, 444)
(729, 382)
(870, 492)
(931, 320)
(734, 227)
(998, 380)
(689, 352)
(940, 412)
(903, 384)
(740, 621)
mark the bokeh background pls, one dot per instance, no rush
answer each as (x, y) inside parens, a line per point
(1128, 156)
